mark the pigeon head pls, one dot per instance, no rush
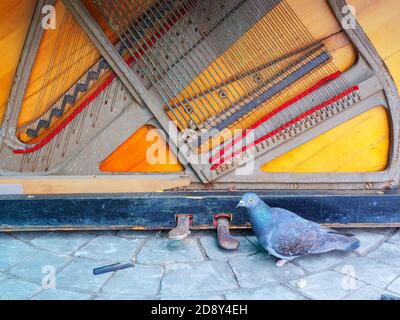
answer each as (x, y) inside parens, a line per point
(249, 201)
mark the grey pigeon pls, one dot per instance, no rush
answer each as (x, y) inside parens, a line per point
(287, 236)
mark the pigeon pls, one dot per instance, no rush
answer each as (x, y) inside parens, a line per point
(287, 236)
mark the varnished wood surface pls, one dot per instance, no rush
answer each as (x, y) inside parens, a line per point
(379, 19)
(15, 17)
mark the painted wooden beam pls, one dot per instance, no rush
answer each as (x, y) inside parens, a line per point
(159, 210)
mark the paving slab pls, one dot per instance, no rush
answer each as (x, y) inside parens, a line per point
(3, 276)
(15, 289)
(320, 262)
(327, 285)
(142, 234)
(139, 280)
(54, 294)
(215, 252)
(63, 242)
(395, 286)
(110, 248)
(5, 237)
(368, 240)
(161, 251)
(388, 253)
(13, 252)
(370, 271)
(104, 297)
(78, 276)
(39, 266)
(193, 297)
(201, 277)
(260, 269)
(395, 238)
(193, 269)
(366, 293)
(271, 291)
(253, 239)
(28, 236)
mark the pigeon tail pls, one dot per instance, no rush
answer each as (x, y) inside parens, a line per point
(336, 241)
(354, 245)
(346, 243)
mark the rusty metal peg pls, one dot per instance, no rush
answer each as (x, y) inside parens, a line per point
(225, 239)
(181, 231)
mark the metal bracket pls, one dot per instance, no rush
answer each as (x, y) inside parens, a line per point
(225, 239)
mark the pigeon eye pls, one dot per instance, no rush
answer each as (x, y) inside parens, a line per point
(251, 200)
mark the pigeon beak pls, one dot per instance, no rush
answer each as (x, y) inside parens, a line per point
(241, 204)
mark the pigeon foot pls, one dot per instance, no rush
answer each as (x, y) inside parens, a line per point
(280, 263)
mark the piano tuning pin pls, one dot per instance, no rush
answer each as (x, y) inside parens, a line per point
(257, 78)
(222, 94)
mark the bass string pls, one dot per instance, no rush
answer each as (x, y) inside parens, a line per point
(167, 94)
(225, 53)
(313, 74)
(153, 61)
(242, 55)
(209, 72)
(50, 64)
(130, 46)
(59, 86)
(77, 53)
(193, 69)
(265, 36)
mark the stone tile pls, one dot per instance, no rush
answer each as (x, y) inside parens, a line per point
(253, 239)
(13, 252)
(141, 234)
(395, 286)
(63, 242)
(370, 271)
(215, 252)
(260, 269)
(5, 237)
(366, 293)
(320, 262)
(197, 233)
(395, 238)
(14, 289)
(110, 248)
(104, 297)
(271, 291)
(368, 240)
(161, 251)
(201, 277)
(99, 233)
(388, 253)
(33, 269)
(384, 231)
(193, 297)
(78, 276)
(28, 236)
(327, 285)
(139, 280)
(54, 294)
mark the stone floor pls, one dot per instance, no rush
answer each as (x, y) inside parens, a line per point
(58, 265)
